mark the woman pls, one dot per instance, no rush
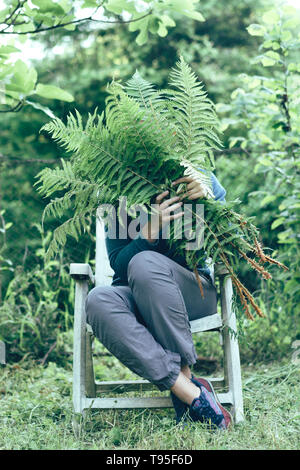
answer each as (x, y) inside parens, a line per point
(143, 317)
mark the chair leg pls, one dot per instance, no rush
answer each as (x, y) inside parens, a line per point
(79, 347)
(232, 365)
(90, 386)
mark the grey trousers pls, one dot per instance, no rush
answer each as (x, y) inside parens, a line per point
(146, 324)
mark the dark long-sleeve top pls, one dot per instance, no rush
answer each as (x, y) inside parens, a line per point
(121, 250)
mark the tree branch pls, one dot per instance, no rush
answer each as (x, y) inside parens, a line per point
(11, 15)
(47, 353)
(15, 109)
(13, 160)
(61, 25)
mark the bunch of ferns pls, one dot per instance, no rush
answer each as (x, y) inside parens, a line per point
(143, 140)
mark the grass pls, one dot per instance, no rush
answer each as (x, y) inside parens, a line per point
(36, 413)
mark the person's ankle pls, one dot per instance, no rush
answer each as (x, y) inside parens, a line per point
(194, 394)
(185, 389)
(187, 372)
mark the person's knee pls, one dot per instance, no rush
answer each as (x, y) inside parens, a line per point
(96, 302)
(143, 265)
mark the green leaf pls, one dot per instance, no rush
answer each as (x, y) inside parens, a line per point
(277, 222)
(267, 61)
(4, 50)
(273, 55)
(5, 70)
(291, 285)
(285, 237)
(234, 140)
(10, 97)
(254, 83)
(167, 21)
(265, 140)
(4, 13)
(143, 35)
(292, 22)
(53, 92)
(162, 30)
(23, 80)
(237, 92)
(267, 199)
(256, 30)
(116, 6)
(265, 161)
(271, 17)
(90, 4)
(24, 28)
(70, 27)
(186, 8)
(271, 44)
(293, 67)
(139, 24)
(154, 25)
(286, 35)
(46, 6)
(66, 5)
(195, 15)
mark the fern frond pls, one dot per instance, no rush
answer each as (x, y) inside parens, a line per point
(143, 141)
(143, 92)
(74, 227)
(57, 179)
(194, 116)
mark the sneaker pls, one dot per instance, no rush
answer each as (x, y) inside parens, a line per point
(206, 410)
(181, 408)
(200, 382)
(205, 383)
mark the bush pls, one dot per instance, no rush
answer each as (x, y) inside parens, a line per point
(263, 127)
(35, 315)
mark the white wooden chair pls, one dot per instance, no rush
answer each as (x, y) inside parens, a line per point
(88, 394)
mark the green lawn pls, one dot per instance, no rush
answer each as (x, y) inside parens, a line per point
(36, 413)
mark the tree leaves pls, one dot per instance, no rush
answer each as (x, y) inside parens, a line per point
(53, 92)
(21, 18)
(256, 30)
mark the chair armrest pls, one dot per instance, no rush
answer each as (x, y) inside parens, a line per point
(81, 271)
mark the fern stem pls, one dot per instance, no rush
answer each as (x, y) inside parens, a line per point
(199, 281)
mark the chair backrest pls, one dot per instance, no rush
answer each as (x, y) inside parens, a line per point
(103, 271)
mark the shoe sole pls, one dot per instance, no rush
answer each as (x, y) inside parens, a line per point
(208, 385)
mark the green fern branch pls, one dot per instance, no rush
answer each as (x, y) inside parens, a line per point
(135, 149)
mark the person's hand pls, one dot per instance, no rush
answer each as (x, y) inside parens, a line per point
(162, 215)
(194, 189)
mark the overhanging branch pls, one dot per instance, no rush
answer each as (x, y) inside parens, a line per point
(61, 25)
(14, 160)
